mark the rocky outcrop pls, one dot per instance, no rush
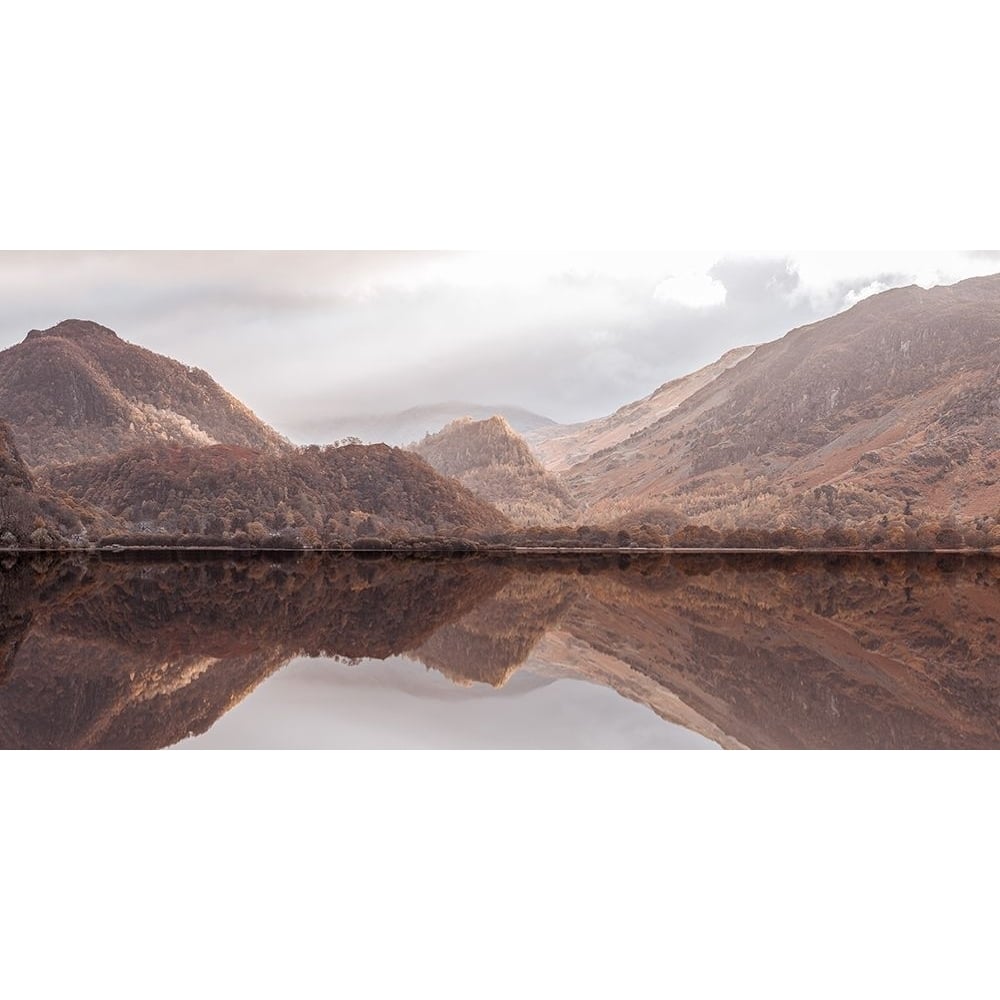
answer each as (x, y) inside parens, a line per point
(493, 461)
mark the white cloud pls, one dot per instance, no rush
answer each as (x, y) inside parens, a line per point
(854, 296)
(572, 335)
(823, 272)
(692, 289)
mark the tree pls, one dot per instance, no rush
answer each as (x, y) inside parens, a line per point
(696, 536)
(256, 531)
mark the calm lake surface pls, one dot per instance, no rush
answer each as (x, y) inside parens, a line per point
(682, 651)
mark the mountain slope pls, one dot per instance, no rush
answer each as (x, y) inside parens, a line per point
(310, 495)
(33, 515)
(562, 446)
(493, 461)
(888, 412)
(77, 391)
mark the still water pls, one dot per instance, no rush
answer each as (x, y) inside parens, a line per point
(686, 651)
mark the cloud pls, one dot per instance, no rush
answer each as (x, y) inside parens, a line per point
(303, 336)
(693, 290)
(872, 288)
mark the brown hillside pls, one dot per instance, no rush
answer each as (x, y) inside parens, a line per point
(77, 390)
(493, 461)
(35, 516)
(308, 495)
(887, 413)
(14, 473)
(562, 446)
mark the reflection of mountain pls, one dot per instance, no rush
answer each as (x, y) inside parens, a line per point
(812, 653)
(119, 654)
(751, 651)
(494, 638)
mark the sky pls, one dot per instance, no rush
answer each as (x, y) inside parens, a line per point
(303, 337)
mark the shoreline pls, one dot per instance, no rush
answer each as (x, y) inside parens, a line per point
(514, 550)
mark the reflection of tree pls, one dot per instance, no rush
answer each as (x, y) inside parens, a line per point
(156, 650)
(772, 651)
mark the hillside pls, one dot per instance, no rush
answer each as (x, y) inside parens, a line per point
(32, 515)
(14, 473)
(313, 495)
(78, 391)
(493, 461)
(411, 425)
(886, 415)
(561, 446)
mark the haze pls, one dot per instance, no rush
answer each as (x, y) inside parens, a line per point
(307, 336)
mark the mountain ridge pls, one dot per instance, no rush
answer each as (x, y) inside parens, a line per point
(852, 419)
(77, 390)
(562, 446)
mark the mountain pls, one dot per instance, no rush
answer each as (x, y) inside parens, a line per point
(493, 461)
(78, 391)
(561, 446)
(312, 495)
(885, 416)
(413, 424)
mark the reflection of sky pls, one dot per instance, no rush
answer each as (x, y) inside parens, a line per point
(399, 703)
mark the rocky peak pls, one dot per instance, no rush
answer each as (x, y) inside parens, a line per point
(76, 329)
(467, 444)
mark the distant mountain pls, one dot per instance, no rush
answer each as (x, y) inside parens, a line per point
(77, 391)
(493, 461)
(561, 446)
(886, 416)
(308, 496)
(411, 425)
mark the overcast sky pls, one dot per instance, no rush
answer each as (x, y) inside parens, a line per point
(568, 335)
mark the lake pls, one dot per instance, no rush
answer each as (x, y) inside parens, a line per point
(682, 651)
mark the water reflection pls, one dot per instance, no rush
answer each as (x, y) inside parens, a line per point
(399, 703)
(741, 651)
